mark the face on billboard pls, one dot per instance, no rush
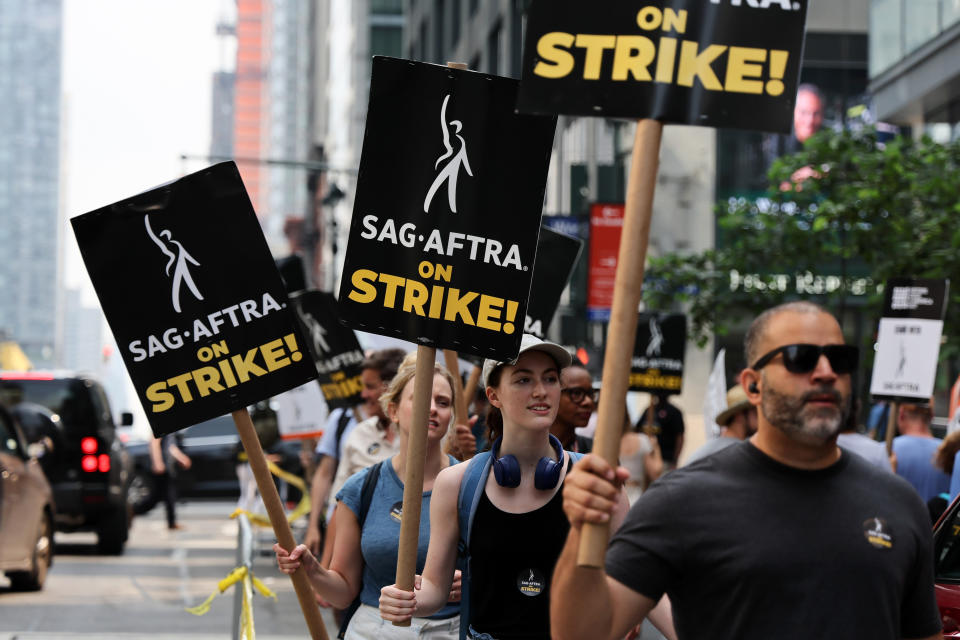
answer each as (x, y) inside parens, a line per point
(808, 114)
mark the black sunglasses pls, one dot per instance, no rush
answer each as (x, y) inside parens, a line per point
(803, 358)
(577, 394)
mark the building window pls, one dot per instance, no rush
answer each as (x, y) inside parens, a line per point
(920, 23)
(886, 34)
(438, 31)
(950, 10)
(493, 50)
(516, 40)
(454, 22)
(386, 41)
(423, 41)
(390, 7)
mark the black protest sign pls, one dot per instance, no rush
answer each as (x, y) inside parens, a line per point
(657, 365)
(557, 254)
(193, 297)
(716, 63)
(335, 348)
(919, 298)
(908, 338)
(447, 210)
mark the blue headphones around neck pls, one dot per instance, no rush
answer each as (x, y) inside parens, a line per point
(506, 470)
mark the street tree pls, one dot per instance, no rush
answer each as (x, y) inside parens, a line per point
(838, 219)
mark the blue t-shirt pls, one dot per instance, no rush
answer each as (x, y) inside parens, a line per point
(915, 464)
(381, 532)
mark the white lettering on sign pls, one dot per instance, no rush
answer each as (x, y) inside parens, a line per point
(804, 283)
(670, 364)
(787, 5)
(909, 298)
(488, 250)
(206, 327)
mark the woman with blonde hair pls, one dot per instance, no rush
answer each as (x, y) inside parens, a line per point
(368, 526)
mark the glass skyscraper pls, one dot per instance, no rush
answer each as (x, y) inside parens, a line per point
(30, 50)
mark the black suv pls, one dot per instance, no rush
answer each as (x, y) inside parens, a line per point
(89, 469)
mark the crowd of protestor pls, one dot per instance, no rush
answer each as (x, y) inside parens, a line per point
(771, 529)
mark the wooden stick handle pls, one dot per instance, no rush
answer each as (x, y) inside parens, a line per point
(453, 365)
(413, 476)
(281, 528)
(622, 331)
(892, 426)
(471, 389)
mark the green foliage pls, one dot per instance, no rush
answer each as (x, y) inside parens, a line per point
(870, 212)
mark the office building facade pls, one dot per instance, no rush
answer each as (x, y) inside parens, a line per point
(30, 120)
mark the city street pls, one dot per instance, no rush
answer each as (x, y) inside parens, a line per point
(144, 592)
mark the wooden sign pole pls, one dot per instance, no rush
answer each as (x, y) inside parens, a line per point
(413, 475)
(416, 458)
(461, 412)
(453, 366)
(471, 389)
(892, 425)
(622, 332)
(281, 528)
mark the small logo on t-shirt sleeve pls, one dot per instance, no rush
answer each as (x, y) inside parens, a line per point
(878, 533)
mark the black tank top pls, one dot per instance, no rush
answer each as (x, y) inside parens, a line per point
(512, 559)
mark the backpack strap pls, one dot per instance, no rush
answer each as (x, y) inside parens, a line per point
(345, 415)
(472, 484)
(366, 497)
(471, 489)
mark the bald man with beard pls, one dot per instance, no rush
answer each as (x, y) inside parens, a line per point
(781, 536)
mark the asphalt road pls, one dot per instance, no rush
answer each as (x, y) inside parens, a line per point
(143, 593)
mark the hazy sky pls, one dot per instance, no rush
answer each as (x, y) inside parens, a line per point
(136, 94)
(136, 86)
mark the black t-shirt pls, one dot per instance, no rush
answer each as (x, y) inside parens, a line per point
(512, 559)
(750, 549)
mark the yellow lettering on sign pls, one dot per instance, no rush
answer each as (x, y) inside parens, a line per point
(744, 63)
(438, 302)
(633, 54)
(595, 46)
(696, 64)
(458, 305)
(229, 372)
(555, 60)
(364, 291)
(748, 70)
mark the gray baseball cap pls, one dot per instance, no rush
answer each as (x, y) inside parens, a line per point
(529, 342)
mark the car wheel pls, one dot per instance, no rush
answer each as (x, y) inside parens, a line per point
(33, 579)
(141, 495)
(112, 534)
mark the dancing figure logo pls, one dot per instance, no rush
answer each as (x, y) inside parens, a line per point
(179, 259)
(455, 160)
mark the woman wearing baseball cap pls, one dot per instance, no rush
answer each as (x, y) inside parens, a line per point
(502, 511)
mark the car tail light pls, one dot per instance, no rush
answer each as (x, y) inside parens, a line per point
(26, 376)
(103, 463)
(951, 621)
(89, 445)
(88, 463)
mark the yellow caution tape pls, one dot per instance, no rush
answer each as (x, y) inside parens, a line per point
(302, 508)
(248, 583)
